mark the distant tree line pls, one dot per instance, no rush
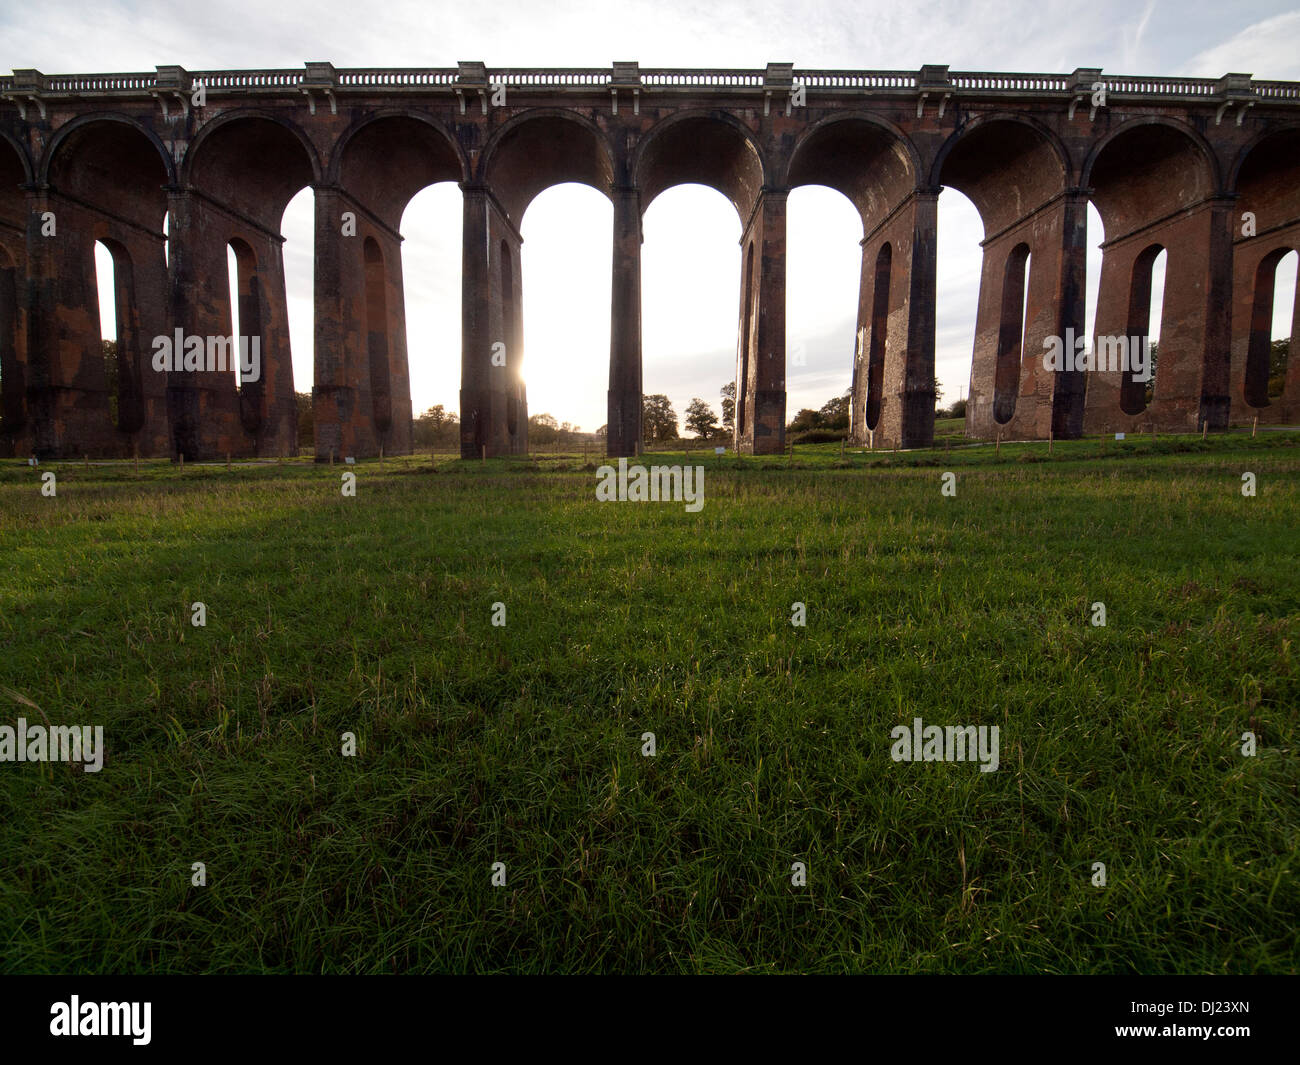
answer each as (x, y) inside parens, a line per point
(439, 427)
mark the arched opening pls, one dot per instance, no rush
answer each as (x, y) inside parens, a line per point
(107, 179)
(1011, 333)
(691, 250)
(561, 358)
(1146, 179)
(377, 335)
(107, 287)
(1135, 353)
(431, 273)
(560, 353)
(248, 171)
(119, 335)
(872, 167)
(879, 334)
(957, 291)
(823, 275)
(1272, 314)
(247, 330)
(746, 328)
(690, 275)
(1013, 171)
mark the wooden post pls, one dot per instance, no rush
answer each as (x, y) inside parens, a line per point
(182, 462)
(997, 448)
(1205, 428)
(1051, 439)
(485, 452)
(381, 455)
(227, 461)
(1253, 426)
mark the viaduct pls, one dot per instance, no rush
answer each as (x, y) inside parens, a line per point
(1206, 169)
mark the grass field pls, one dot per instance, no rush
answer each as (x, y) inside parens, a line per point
(522, 744)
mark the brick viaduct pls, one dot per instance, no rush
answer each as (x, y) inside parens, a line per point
(1172, 163)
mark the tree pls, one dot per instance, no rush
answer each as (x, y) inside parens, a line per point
(1277, 357)
(835, 414)
(729, 406)
(436, 427)
(700, 419)
(658, 419)
(543, 429)
(805, 419)
(306, 422)
(938, 392)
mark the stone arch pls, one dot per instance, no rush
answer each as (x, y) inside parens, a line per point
(711, 148)
(1017, 173)
(1157, 185)
(544, 147)
(1123, 173)
(387, 157)
(113, 164)
(105, 179)
(1273, 147)
(1265, 177)
(864, 157)
(998, 153)
(75, 130)
(254, 162)
(20, 152)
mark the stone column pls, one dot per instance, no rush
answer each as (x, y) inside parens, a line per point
(917, 397)
(624, 424)
(768, 374)
(1217, 347)
(475, 354)
(1070, 386)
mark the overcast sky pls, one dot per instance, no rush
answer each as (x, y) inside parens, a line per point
(691, 271)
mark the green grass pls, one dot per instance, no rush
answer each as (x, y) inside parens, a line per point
(522, 744)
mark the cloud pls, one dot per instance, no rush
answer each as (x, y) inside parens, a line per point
(1269, 49)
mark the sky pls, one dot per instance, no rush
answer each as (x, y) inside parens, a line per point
(691, 256)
